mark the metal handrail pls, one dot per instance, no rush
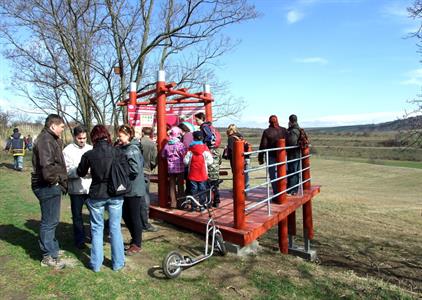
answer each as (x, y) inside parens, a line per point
(268, 182)
(250, 207)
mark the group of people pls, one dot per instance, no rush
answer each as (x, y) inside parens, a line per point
(192, 157)
(16, 145)
(269, 140)
(83, 171)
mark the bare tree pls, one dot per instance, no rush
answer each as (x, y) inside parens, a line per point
(411, 135)
(65, 51)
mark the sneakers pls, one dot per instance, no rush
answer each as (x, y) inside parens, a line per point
(132, 250)
(54, 263)
(151, 228)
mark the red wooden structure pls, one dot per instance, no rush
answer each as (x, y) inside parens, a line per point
(238, 224)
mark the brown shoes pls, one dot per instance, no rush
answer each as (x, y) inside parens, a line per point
(133, 250)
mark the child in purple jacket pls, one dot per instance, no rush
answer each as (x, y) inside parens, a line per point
(174, 151)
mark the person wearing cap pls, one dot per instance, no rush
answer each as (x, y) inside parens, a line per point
(269, 140)
(198, 159)
(174, 152)
(16, 146)
(293, 133)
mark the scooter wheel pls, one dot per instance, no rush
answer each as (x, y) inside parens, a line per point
(171, 264)
(220, 245)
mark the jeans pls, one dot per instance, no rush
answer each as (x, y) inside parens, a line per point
(273, 173)
(247, 167)
(18, 162)
(294, 179)
(76, 203)
(132, 218)
(96, 208)
(198, 187)
(49, 199)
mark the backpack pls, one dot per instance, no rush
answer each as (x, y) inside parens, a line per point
(118, 183)
(303, 140)
(215, 139)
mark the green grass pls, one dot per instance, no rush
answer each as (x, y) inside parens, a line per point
(355, 217)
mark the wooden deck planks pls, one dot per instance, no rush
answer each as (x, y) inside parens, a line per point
(258, 222)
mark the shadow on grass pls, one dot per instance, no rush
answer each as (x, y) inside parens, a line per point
(7, 165)
(28, 240)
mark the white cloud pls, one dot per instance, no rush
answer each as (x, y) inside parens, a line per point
(261, 121)
(312, 60)
(294, 16)
(395, 9)
(414, 78)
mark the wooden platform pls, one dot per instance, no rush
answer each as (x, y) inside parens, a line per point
(258, 222)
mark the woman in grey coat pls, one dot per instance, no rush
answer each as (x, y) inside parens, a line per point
(136, 197)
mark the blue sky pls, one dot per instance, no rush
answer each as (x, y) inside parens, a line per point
(332, 62)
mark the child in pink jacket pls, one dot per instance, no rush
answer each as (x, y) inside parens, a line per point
(174, 151)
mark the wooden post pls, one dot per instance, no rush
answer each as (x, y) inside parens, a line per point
(238, 185)
(161, 139)
(130, 110)
(308, 227)
(207, 103)
(283, 241)
(306, 162)
(281, 171)
(132, 93)
(291, 221)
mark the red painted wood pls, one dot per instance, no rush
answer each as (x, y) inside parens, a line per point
(238, 185)
(283, 241)
(161, 141)
(257, 222)
(281, 170)
(291, 223)
(306, 162)
(307, 219)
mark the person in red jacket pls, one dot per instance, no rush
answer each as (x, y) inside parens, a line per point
(198, 159)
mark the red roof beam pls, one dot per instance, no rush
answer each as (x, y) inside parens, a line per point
(181, 93)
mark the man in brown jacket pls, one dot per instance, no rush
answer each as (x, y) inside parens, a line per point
(269, 140)
(48, 181)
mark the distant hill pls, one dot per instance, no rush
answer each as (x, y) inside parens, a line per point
(401, 124)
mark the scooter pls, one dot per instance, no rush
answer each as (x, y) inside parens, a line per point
(174, 263)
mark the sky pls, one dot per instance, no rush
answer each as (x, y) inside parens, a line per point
(331, 62)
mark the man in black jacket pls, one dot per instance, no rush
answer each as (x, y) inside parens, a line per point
(48, 181)
(293, 134)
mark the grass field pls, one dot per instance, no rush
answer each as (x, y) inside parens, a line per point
(367, 235)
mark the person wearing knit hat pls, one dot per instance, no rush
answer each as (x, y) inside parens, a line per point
(269, 140)
(16, 146)
(174, 152)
